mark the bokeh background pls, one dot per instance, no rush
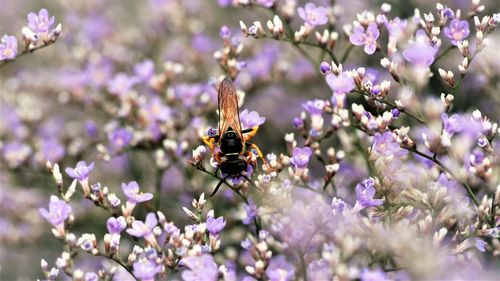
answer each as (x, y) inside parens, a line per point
(56, 102)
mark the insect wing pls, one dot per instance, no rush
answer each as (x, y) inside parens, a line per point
(228, 108)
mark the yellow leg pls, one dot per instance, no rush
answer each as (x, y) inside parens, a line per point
(248, 136)
(259, 153)
(210, 142)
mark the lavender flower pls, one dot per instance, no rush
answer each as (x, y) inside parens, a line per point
(313, 15)
(396, 27)
(367, 37)
(301, 157)
(251, 211)
(372, 275)
(8, 47)
(215, 226)
(40, 23)
(121, 84)
(421, 52)
(146, 270)
(119, 138)
(340, 84)
(145, 70)
(58, 211)
(457, 31)
(81, 172)
(280, 270)
(145, 229)
(116, 225)
(251, 119)
(385, 145)
(134, 195)
(200, 268)
(365, 192)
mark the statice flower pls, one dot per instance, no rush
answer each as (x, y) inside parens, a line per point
(365, 191)
(367, 37)
(251, 211)
(144, 70)
(81, 172)
(15, 153)
(146, 270)
(52, 150)
(340, 84)
(421, 52)
(58, 212)
(134, 195)
(251, 119)
(8, 47)
(280, 270)
(457, 31)
(40, 23)
(266, 3)
(116, 225)
(121, 84)
(313, 15)
(300, 157)
(385, 145)
(145, 229)
(119, 138)
(215, 226)
(200, 268)
(372, 275)
(396, 27)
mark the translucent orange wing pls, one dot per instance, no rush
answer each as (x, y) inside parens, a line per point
(229, 116)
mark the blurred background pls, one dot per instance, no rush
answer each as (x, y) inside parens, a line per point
(55, 104)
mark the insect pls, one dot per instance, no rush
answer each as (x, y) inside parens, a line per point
(234, 145)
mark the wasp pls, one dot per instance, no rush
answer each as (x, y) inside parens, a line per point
(234, 146)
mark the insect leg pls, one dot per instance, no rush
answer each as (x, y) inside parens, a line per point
(249, 134)
(223, 180)
(259, 153)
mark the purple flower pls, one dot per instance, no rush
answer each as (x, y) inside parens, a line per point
(121, 84)
(457, 31)
(143, 229)
(81, 171)
(91, 129)
(420, 52)
(313, 15)
(251, 211)
(280, 270)
(340, 84)
(301, 157)
(200, 268)
(144, 70)
(215, 226)
(480, 245)
(119, 138)
(15, 153)
(224, 32)
(145, 269)
(40, 23)
(396, 27)
(251, 119)
(298, 123)
(372, 275)
(91, 276)
(131, 190)
(367, 37)
(385, 145)
(325, 67)
(58, 212)
(266, 3)
(365, 192)
(314, 107)
(319, 270)
(452, 124)
(8, 47)
(52, 150)
(116, 225)
(98, 73)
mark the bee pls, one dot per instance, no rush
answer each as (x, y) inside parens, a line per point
(234, 144)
